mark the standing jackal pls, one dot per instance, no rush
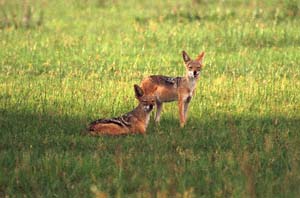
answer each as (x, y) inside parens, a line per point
(135, 121)
(167, 89)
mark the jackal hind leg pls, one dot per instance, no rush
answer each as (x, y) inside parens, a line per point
(159, 106)
(109, 129)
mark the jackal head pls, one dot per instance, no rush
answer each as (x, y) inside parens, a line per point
(147, 102)
(193, 67)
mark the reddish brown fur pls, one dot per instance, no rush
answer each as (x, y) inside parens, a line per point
(109, 129)
(136, 120)
(181, 91)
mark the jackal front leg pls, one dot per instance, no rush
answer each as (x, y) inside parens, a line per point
(186, 106)
(181, 111)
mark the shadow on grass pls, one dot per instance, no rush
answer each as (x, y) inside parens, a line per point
(22, 129)
(258, 154)
(19, 128)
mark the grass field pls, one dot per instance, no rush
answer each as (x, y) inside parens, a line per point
(71, 62)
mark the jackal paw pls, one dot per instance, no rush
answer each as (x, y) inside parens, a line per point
(182, 125)
(157, 121)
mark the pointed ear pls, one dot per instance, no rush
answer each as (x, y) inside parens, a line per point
(185, 57)
(138, 91)
(200, 57)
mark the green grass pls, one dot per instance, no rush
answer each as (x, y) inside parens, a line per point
(242, 135)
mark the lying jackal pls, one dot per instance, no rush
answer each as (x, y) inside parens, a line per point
(135, 121)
